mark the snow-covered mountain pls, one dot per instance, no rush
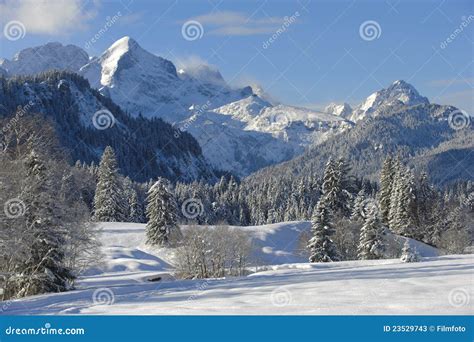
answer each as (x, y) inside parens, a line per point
(343, 110)
(239, 130)
(399, 93)
(299, 127)
(248, 134)
(141, 82)
(46, 57)
(86, 122)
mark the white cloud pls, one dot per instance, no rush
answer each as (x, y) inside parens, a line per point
(192, 62)
(230, 23)
(52, 17)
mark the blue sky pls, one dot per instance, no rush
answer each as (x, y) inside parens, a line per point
(320, 56)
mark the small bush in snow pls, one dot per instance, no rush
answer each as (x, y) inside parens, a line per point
(409, 254)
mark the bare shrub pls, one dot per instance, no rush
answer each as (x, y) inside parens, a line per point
(213, 252)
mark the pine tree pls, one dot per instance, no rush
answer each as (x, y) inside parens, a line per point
(336, 187)
(44, 270)
(109, 203)
(358, 207)
(135, 212)
(331, 185)
(321, 247)
(371, 236)
(409, 254)
(161, 212)
(403, 204)
(386, 183)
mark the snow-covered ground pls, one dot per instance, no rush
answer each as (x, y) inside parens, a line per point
(121, 285)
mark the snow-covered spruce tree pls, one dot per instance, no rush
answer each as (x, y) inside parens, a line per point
(336, 187)
(371, 244)
(428, 210)
(359, 206)
(386, 182)
(135, 210)
(321, 247)
(161, 212)
(409, 254)
(403, 219)
(331, 185)
(44, 270)
(109, 203)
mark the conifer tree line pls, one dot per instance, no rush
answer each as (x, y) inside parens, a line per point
(343, 208)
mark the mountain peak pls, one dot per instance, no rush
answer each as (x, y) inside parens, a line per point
(126, 56)
(398, 93)
(125, 44)
(343, 110)
(54, 55)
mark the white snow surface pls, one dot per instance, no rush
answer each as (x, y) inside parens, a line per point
(287, 286)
